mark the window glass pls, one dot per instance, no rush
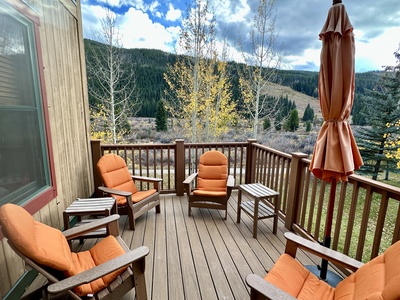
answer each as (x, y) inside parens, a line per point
(24, 163)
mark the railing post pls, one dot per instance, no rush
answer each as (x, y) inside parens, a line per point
(250, 161)
(294, 197)
(96, 154)
(179, 166)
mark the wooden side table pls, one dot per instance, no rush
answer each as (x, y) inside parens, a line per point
(258, 208)
(90, 207)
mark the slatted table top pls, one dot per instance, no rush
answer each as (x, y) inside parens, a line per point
(90, 206)
(258, 190)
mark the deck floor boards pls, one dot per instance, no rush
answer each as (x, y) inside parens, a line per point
(203, 256)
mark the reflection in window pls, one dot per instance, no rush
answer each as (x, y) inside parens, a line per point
(24, 168)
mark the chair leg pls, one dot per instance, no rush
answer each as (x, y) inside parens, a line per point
(158, 209)
(140, 281)
(131, 218)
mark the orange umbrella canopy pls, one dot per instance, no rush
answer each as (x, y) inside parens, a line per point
(335, 153)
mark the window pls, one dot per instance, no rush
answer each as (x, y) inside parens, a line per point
(25, 164)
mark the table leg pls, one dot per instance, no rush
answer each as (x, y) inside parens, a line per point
(255, 217)
(238, 206)
(277, 204)
(66, 221)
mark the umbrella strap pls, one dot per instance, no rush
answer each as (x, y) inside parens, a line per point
(334, 121)
(336, 2)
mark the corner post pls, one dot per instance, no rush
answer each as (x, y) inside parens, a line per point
(250, 161)
(294, 190)
(96, 154)
(179, 166)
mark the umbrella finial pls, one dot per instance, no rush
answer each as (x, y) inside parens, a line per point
(336, 2)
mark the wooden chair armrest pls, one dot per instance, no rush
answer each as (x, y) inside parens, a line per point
(262, 289)
(115, 192)
(294, 241)
(156, 181)
(99, 271)
(187, 183)
(77, 231)
(147, 179)
(231, 182)
(190, 178)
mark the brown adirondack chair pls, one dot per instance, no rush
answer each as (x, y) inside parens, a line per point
(120, 183)
(288, 279)
(214, 185)
(107, 271)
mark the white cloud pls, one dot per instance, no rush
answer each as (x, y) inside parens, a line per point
(173, 14)
(113, 3)
(377, 52)
(310, 57)
(91, 15)
(139, 31)
(229, 11)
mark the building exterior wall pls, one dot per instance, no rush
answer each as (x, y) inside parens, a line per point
(63, 58)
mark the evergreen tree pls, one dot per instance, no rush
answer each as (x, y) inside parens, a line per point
(308, 126)
(308, 114)
(378, 142)
(292, 124)
(161, 117)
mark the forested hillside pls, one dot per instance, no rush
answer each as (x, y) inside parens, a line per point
(149, 65)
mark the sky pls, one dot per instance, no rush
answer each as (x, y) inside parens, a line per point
(156, 24)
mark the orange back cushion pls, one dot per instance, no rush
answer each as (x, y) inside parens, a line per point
(41, 243)
(115, 175)
(105, 250)
(377, 279)
(213, 171)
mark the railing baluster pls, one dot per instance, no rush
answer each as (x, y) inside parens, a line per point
(339, 215)
(383, 206)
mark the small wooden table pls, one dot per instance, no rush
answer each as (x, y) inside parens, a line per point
(90, 207)
(258, 208)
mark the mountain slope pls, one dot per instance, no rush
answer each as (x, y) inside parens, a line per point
(301, 100)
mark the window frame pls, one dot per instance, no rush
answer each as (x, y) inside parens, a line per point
(34, 204)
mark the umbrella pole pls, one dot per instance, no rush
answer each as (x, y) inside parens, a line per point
(328, 227)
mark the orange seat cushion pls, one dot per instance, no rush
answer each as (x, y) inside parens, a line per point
(289, 275)
(48, 246)
(213, 174)
(140, 195)
(105, 250)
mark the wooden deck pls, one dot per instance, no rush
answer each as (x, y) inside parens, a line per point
(203, 256)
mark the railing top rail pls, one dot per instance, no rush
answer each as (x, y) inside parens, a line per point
(272, 150)
(121, 146)
(377, 186)
(215, 144)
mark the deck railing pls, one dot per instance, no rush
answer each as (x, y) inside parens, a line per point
(367, 212)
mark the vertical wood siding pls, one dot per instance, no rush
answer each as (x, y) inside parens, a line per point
(65, 80)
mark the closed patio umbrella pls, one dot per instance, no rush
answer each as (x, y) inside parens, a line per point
(335, 153)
